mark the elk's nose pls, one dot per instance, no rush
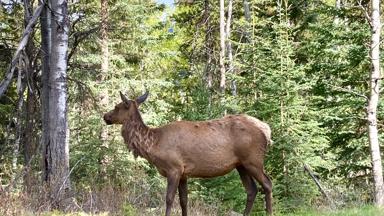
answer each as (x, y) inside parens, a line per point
(107, 119)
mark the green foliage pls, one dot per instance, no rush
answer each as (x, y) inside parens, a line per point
(129, 210)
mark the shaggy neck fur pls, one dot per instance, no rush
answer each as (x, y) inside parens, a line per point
(138, 137)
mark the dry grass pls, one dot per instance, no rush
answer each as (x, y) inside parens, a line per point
(105, 201)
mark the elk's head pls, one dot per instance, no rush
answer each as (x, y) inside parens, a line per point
(125, 111)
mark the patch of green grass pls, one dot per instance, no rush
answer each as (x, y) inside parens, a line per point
(356, 211)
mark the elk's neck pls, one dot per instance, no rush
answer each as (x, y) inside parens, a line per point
(138, 137)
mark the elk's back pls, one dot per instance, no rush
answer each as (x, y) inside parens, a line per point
(213, 148)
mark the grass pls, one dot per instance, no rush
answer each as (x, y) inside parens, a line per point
(110, 201)
(367, 210)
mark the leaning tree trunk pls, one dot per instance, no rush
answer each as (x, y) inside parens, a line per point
(372, 104)
(56, 156)
(222, 47)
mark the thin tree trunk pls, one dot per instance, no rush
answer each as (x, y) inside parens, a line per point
(208, 51)
(208, 44)
(45, 52)
(222, 47)
(317, 182)
(247, 15)
(104, 38)
(58, 150)
(19, 125)
(231, 68)
(104, 99)
(372, 104)
(29, 144)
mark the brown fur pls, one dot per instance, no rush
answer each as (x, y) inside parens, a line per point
(184, 149)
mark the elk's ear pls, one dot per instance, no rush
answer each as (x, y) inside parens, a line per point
(142, 98)
(124, 99)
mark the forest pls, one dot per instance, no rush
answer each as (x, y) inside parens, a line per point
(310, 69)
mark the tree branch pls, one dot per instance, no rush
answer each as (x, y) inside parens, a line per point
(365, 13)
(23, 42)
(306, 168)
(350, 91)
(78, 37)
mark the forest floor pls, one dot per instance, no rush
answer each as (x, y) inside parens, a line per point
(357, 211)
(360, 211)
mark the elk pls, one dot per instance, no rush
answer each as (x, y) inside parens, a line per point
(200, 149)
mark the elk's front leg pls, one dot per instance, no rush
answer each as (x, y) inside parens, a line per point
(183, 195)
(173, 179)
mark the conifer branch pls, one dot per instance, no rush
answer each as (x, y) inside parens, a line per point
(350, 91)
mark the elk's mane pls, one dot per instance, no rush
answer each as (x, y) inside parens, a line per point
(138, 137)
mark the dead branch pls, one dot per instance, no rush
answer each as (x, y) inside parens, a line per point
(307, 169)
(79, 37)
(23, 42)
(366, 14)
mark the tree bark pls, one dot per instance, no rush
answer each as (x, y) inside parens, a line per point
(45, 53)
(19, 125)
(373, 103)
(29, 138)
(56, 155)
(222, 47)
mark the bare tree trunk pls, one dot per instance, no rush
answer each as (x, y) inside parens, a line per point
(104, 99)
(45, 52)
(247, 16)
(29, 144)
(104, 38)
(231, 68)
(208, 51)
(208, 44)
(19, 124)
(222, 47)
(56, 155)
(372, 104)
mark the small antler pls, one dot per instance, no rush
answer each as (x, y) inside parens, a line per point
(142, 98)
(124, 98)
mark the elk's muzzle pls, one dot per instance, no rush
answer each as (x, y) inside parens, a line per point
(107, 119)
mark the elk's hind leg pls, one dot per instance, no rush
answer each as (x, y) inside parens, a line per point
(260, 176)
(250, 188)
(183, 195)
